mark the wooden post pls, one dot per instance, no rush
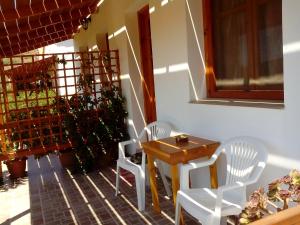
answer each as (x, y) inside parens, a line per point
(2, 136)
(118, 68)
(1, 175)
(2, 103)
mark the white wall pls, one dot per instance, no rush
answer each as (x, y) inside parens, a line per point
(61, 47)
(278, 128)
(178, 63)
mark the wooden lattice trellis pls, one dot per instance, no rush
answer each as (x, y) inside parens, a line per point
(33, 88)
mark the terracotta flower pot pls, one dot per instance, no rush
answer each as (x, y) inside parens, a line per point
(16, 167)
(67, 158)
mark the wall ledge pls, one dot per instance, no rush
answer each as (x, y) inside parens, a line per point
(241, 102)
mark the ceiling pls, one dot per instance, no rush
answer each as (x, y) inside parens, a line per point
(29, 24)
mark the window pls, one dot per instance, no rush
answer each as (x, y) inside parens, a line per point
(243, 47)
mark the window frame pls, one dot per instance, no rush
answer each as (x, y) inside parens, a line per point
(212, 91)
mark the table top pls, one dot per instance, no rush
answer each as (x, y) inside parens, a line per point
(173, 153)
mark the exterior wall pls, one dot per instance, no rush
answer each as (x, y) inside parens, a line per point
(177, 42)
(61, 47)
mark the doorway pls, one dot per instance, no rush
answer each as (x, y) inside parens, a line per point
(147, 64)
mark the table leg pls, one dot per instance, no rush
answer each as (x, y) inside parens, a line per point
(153, 184)
(175, 187)
(213, 176)
(175, 181)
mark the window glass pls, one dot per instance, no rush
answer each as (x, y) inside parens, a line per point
(231, 53)
(224, 5)
(269, 35)
(244, 47)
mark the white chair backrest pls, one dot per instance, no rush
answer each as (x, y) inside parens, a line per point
(246, 158)
(156, 130)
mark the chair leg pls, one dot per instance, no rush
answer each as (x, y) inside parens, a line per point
(143, 189)
(217, 220)
(147, 178)
(139, 192)
(177, 213)
(163, 177)
(223, 220)
(117, 180)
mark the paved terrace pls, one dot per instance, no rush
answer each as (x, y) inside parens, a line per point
(50, 195)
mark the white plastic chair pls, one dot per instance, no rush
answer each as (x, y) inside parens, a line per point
(246, 158)
(153, 131)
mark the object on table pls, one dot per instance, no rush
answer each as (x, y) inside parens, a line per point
(180, 139)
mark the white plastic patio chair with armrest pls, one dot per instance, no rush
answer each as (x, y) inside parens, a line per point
(153, 131)
(246, 158)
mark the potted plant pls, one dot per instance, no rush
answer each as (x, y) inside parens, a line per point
(113, 115)
(16, 166)
(95, 127)
(67, 158)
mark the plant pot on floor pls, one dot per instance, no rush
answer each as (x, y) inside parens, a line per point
(106, 159)
(67, 158)
(16, 167)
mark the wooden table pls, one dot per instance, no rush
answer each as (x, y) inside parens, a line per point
(167, 150)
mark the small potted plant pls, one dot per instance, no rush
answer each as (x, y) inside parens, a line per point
(254, 207)
(15, 140)
(16, 166)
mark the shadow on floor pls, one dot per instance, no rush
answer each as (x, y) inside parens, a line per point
(51, 195)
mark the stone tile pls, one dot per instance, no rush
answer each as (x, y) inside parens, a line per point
(49, 195)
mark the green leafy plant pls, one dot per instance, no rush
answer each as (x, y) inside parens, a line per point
(113, 117)
(95, 126)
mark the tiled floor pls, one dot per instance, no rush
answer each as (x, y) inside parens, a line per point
(50, 195)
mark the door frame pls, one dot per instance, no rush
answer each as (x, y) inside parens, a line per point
(147, 65)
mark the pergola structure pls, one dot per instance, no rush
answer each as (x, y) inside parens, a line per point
(38, 90)
(30, 24)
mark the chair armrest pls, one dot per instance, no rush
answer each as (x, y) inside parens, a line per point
(231, 187)
(257, 172)
(186, 168)
(122, 147)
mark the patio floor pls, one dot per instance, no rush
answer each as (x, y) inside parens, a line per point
(50, 195)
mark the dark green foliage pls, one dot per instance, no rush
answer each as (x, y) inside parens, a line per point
(95, 127)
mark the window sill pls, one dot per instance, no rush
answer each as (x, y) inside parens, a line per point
(269, 104)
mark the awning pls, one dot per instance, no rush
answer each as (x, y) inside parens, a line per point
(30, 24)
